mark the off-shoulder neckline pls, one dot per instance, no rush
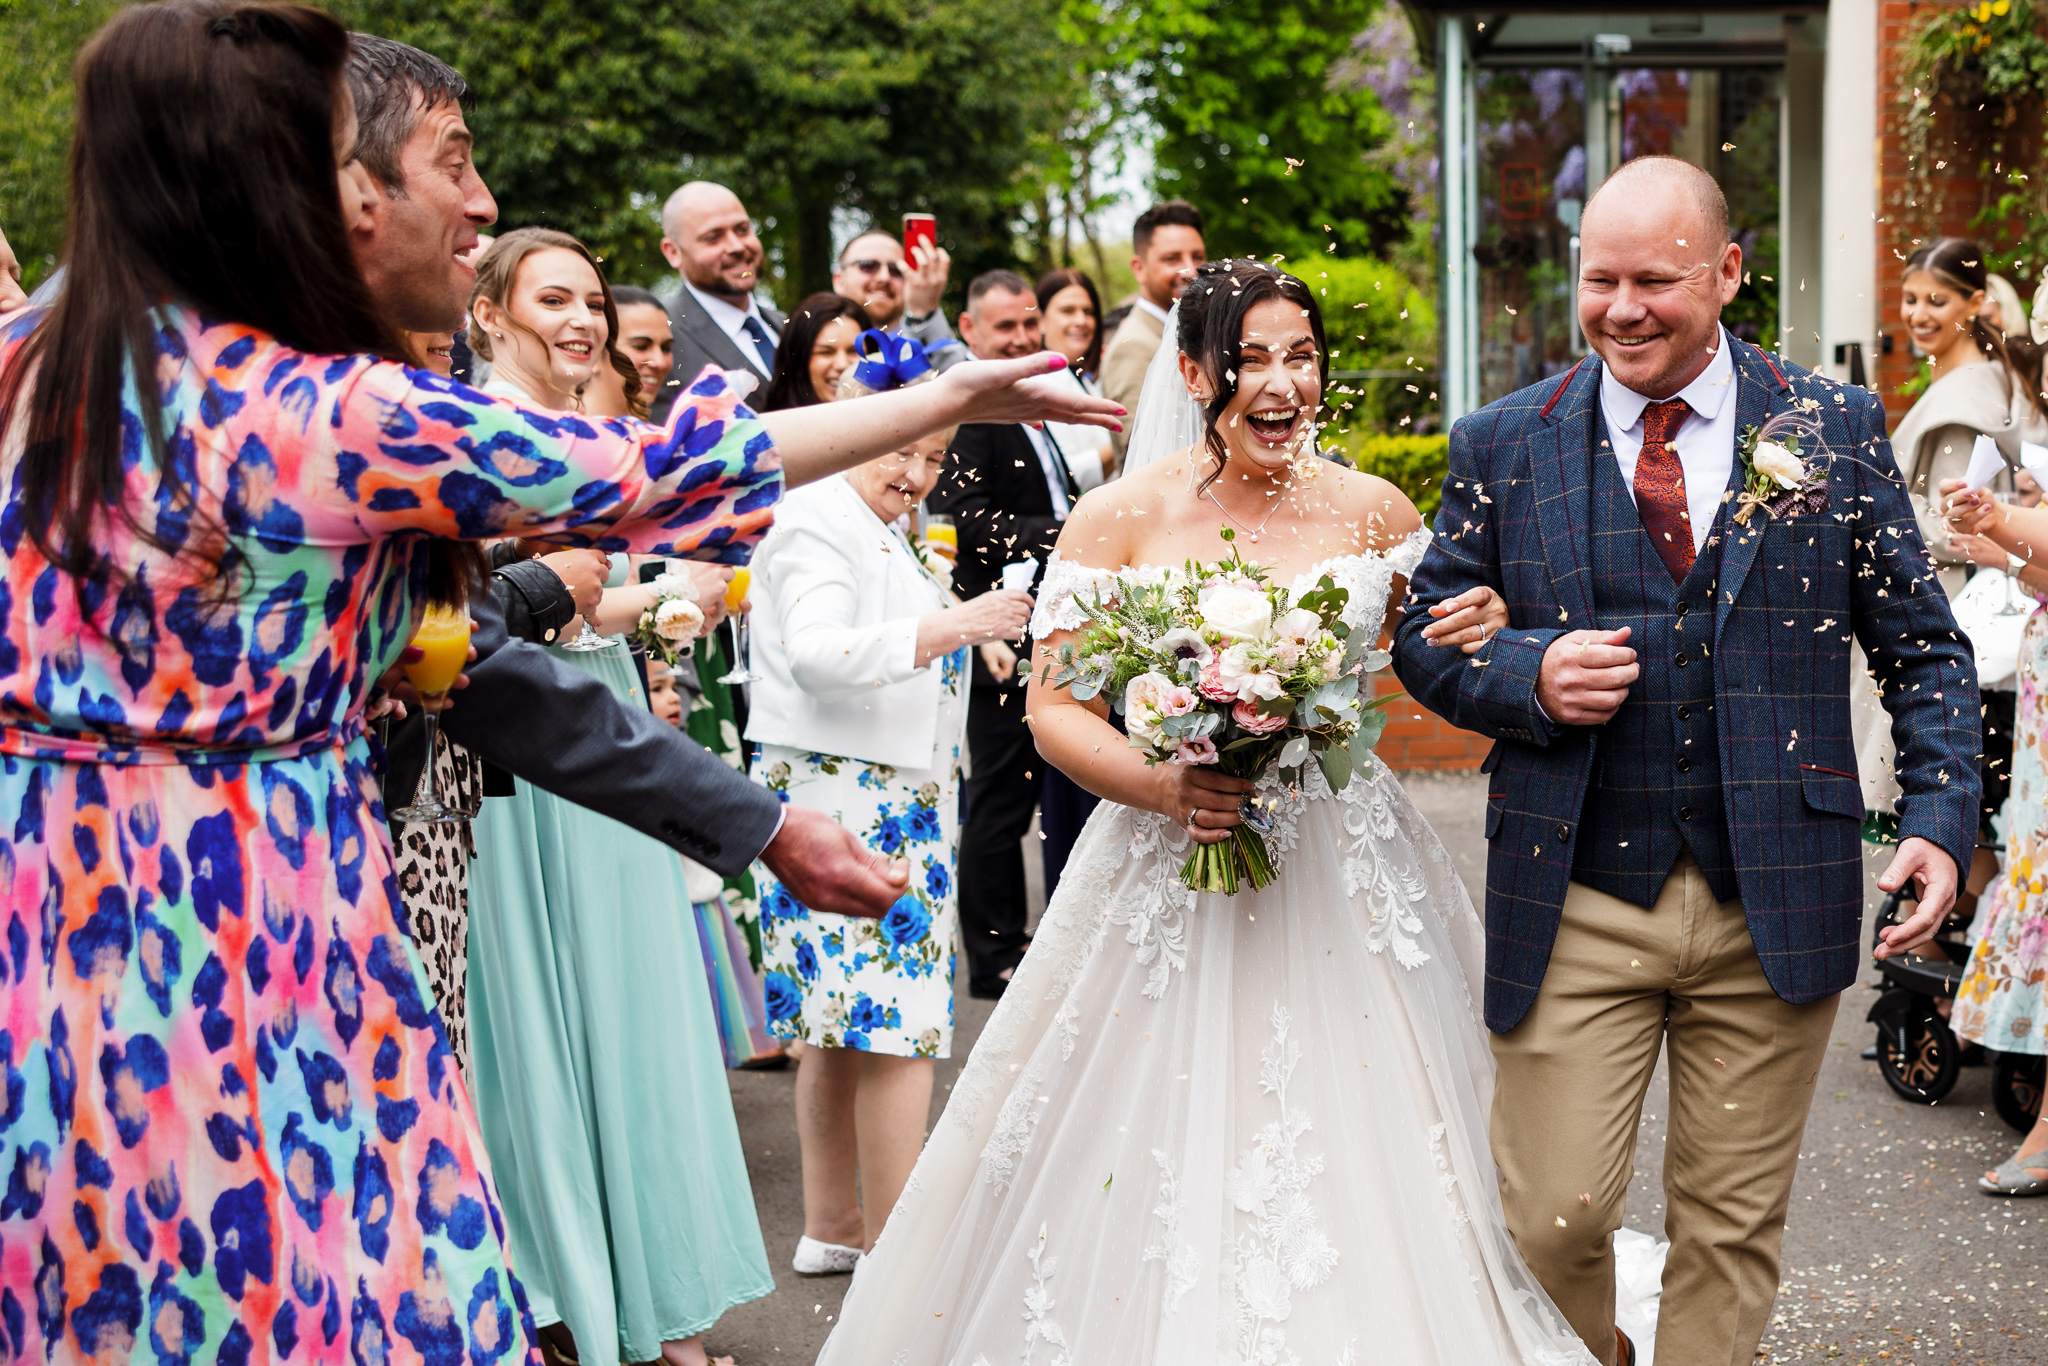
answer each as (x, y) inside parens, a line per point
(1420, 535)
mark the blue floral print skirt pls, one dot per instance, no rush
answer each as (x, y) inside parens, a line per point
(883, 986)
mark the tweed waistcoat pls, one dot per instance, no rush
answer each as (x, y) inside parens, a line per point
(1657, 787)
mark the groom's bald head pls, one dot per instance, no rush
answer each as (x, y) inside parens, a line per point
(1655, 269)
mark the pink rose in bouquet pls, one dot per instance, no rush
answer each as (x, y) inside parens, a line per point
(1200, 750)
(1253, 722)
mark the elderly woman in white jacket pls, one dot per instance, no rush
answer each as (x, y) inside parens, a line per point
(858, 712)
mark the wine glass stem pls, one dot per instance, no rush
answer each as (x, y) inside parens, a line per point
(432, 797)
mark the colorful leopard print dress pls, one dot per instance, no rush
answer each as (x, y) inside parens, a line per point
(230, 1124)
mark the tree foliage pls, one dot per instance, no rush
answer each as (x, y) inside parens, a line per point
(35, 120)
(590, 113)
(1254, 130)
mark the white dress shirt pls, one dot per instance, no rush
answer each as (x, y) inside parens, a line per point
(733, 321)
(1081, 445)
(1052, 461)
(1705, 440)
(1154, 309)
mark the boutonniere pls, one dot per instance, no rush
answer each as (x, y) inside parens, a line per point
(1782, 471)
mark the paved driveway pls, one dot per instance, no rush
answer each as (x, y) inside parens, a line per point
(1890, 1253)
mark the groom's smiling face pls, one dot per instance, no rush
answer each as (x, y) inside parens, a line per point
(1655, 270)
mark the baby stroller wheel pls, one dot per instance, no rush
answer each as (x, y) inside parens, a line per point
(1916, 1051)
(2016, 1084)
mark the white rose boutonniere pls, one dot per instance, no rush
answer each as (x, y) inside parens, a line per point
(1782, 471)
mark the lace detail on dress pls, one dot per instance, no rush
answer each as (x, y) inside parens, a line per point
(1368, 817)
(1012, 1132)
(1039, 1325)
(1069, 585)
(1178, 1256)
(1285, 1250)
(1155, 917)
(1446, 1178)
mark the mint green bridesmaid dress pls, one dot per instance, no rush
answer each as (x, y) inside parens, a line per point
(599, 1082)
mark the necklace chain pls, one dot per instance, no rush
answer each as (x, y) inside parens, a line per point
(1253, 531)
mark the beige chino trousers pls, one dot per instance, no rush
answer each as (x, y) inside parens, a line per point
(1622, 981)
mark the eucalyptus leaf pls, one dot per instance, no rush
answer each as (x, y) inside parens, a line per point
(1336, 767)
(1085, 692)
(1371, 726)
(1293, 752)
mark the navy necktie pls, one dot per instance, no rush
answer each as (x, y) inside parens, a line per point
(763, 343)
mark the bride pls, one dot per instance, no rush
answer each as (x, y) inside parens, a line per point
(1203, 1128)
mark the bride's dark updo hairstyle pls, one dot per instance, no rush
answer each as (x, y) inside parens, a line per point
(1212, 314)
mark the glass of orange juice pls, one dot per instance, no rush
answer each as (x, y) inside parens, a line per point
(443, 642)
(736, 591)
(941, 537)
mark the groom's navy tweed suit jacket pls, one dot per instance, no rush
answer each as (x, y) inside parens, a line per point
(1789, 595)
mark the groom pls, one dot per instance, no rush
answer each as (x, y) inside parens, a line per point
(1672, 811)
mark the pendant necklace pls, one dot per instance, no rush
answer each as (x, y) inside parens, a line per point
(1252, 531)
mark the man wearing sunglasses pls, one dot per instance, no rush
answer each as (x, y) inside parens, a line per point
(898, 294)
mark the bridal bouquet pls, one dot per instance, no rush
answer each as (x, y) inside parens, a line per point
(1215, 665)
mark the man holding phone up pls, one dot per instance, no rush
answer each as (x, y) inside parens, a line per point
(900, 285)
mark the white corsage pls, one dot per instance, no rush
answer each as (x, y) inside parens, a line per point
(672, 620)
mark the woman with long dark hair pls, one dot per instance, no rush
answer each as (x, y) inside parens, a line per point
(237, 1111)
(818, 345)
(1070, 313)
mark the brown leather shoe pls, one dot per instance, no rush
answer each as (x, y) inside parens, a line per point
(1624, 1350)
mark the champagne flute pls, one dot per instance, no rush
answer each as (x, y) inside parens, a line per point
(2013, 607)
(443, 642)
(735, 594)
(587, 639)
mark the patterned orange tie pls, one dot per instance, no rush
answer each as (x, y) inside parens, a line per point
(1660, 487)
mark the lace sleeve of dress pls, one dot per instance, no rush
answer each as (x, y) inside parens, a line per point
(415, 452)
(1403, 558)
(1061, 595)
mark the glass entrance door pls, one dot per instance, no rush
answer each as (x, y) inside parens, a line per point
(1538, 157)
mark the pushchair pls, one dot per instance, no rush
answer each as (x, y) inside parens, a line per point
(1918, 1055)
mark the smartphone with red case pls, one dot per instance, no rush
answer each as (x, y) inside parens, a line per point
(919, 227)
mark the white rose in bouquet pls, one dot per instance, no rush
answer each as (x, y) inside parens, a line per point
(1780, 464)
(1145, 700)
(678, 620)
(1239, 610)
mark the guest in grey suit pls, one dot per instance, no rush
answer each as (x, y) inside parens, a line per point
(708, 236)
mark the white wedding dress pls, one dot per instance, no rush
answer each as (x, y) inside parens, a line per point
(1208, 1129)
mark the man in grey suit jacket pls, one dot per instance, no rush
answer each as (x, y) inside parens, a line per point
(708, 236)
(522, 709)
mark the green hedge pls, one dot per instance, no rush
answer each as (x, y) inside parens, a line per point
(1413, 464)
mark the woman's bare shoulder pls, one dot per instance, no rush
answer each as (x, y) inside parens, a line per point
(1382, 515)
(1106, 524)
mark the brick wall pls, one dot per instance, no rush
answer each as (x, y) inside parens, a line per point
(1415, 738)
(1961, 189)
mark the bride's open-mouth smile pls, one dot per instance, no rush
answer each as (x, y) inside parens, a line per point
(1274, 426)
